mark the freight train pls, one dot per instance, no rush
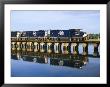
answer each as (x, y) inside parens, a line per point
(56, 35)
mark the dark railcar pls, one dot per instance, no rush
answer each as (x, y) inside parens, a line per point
(59, 33)
(76, 33)
(66, 33)
(40, 33)
(54, 33)
(13, 33)
(25, 34)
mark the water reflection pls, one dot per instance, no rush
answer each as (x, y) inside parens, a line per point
(56, 59)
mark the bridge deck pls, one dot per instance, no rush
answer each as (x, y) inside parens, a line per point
(50, 41)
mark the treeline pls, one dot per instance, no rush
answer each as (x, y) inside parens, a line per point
(94, 36)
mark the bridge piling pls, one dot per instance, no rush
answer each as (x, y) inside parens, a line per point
(56, 47)
(85, 48)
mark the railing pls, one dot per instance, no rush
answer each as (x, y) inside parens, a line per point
(64, 39)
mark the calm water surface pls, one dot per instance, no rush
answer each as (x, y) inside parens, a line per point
(36, 64)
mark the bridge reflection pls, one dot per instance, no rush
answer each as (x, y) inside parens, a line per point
(56, 59)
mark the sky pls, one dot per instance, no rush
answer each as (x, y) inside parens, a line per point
(87, 20)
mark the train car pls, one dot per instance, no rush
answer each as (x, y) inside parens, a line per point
(54, 33)
(59, 33)
(78, 35)
(25, 34)
(13, 33)
(71, 35)
(32, 35)
(40, 33)
(16, 34)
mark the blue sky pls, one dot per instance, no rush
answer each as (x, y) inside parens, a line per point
(88, 20)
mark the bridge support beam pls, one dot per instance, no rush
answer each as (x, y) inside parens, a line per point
(64, 48)
(29, 46)
(96, 45)
(42, 47)
(13, 45)
(96, 53)
(50, 47)
(36, 47)
(23, 46)
(75, 48)
(85, 48)
(18, 45)
(57, 47)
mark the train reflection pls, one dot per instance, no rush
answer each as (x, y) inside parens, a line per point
(56, 59)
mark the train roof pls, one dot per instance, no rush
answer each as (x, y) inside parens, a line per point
(52, 33)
